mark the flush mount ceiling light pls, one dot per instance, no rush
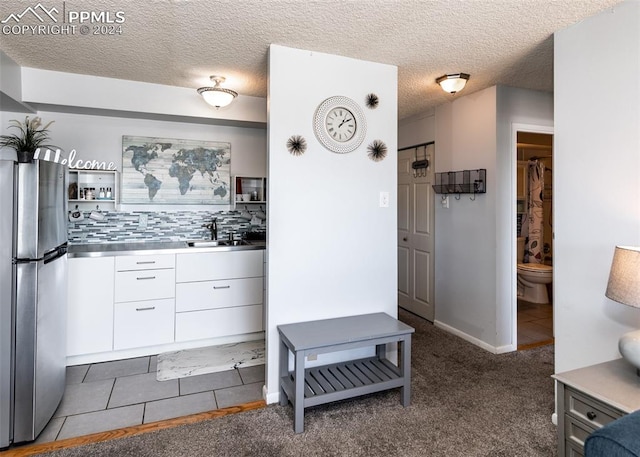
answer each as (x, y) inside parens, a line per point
(453, 82)
(217, 96)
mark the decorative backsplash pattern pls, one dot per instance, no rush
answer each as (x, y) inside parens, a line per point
(127, 226)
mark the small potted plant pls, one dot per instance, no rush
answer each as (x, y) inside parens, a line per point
(32, 136)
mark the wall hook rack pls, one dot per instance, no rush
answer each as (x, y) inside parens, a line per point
(461, 182)
(421, 164)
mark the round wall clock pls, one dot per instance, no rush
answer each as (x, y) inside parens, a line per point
(339, 124)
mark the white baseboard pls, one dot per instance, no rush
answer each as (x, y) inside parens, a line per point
(270, 398)
(474, 340)
(84, 359)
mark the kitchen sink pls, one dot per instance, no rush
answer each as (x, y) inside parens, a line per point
(213, 243)
(237, 243)
(207, 243)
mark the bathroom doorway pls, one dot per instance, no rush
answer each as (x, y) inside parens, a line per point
(534, 238)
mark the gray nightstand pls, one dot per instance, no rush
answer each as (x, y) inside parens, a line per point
(591, 397)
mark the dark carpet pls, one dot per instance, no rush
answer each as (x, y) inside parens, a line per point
(465, 402)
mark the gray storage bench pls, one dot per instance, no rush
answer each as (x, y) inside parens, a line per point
(305, 387)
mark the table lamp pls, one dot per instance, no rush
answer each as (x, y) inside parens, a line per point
(624, 287)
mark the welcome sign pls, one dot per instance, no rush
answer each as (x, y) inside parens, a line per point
(71, 162)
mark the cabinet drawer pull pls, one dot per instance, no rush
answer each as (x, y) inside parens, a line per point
(146, 262)
(591, 415)
(222, 287)
(145, 277)
(148, 308)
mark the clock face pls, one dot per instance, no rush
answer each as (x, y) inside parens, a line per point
(339, 124)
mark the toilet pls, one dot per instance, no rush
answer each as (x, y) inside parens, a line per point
(532, 278)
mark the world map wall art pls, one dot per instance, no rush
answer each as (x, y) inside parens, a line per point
(169, 171)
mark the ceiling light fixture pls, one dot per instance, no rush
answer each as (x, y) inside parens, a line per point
(217, 96)
(453, 82)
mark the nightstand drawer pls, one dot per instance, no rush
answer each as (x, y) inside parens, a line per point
(575, 431)
(573, 450)
(589, 410)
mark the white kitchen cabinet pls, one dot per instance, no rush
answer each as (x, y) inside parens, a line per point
(144, 301)
(143, 323)
(219, 294)
(144, 285)
(215, 323)
(90, 305)
(207, 266)
(145, 262)
(195, 296)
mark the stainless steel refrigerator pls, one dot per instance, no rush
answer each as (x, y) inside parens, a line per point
(33, 296)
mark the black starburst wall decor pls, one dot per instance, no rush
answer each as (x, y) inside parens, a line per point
(372, 101)
(377, 150)
(297, 145)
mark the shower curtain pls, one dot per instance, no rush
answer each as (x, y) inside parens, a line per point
(534, 245)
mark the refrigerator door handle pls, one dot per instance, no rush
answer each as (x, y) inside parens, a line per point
(55, 254)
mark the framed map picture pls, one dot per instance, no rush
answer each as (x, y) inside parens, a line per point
(169, 171)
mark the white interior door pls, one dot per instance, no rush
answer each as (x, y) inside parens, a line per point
(415, 234)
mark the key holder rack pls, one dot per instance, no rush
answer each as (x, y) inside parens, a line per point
(461, 182)
(420, 165)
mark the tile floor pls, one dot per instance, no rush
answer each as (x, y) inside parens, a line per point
(535, 322)
(110, 395)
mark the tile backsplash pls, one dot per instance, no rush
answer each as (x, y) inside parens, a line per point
(127, 226)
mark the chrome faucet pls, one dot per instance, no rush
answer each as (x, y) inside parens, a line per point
(213, 226)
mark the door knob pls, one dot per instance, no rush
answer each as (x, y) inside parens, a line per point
(404, 239)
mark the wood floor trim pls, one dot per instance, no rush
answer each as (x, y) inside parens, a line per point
(34, 449)
(537, 344)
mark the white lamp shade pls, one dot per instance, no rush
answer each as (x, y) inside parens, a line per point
(624, 278)
(217, 97)
(624, 287)
(453, 83)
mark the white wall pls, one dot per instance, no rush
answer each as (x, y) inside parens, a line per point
(475, 273)
(597, 179)
(515, 108)
(92, 114)
(11, 85)
(100, 137)
(331, 248)
(417, 130)
(465, 277)
(59, 89)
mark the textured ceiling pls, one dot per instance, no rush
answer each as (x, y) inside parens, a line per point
(182, 42)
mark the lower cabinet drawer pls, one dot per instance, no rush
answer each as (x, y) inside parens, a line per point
(195, 296)
(144, 285)
(145, 262)
(588, 409)
(196, 325)
(144, 323)
(573, 450)
(575, 431)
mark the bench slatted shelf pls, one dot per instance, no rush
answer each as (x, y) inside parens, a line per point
(339, 381)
